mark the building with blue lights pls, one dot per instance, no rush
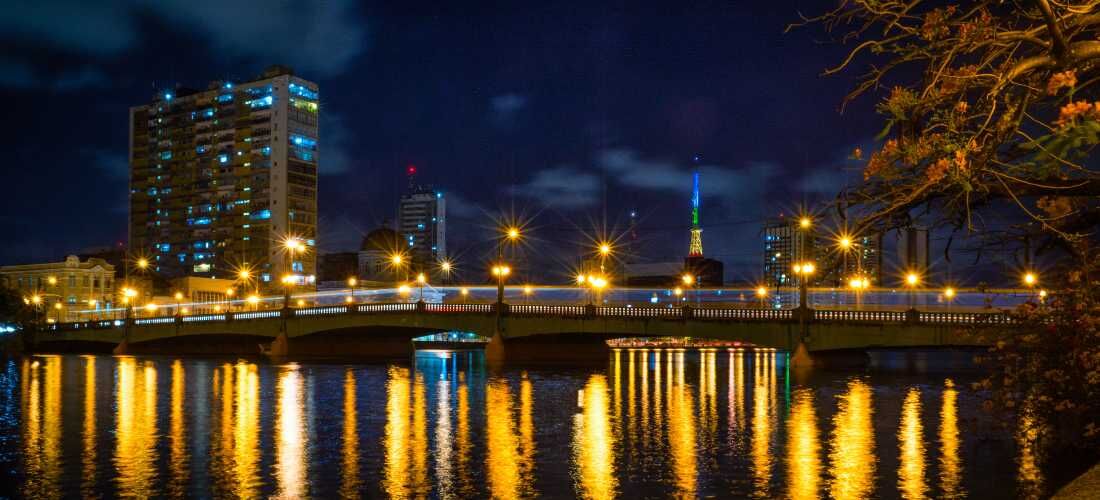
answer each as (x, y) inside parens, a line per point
(422, 223)
(221, 177)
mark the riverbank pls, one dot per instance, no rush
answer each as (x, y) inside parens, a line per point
(1085, 487)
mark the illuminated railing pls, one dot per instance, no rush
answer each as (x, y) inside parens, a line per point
(871, 316)
(257, 314)
(570, 311)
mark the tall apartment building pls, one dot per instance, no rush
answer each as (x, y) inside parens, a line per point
(785, 244)
(422, 223)
(864, 259)
(220, 178)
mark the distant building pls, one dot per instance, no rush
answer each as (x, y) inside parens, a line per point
(654, 274)
(375, 259)
(785, 244)
(338, 266)
(422, 223)
(865, 259)
(219, 178)
(64, 287)
(204, 295)
(914, 245)
(707, 271)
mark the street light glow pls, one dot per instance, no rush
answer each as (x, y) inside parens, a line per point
(420, 278)
(1030, 279)
(142, 263)
(396, 259)
(761, 292)
(581, 279)
(677, 291)
(464, 291)
(804, 222)
(688, 279)
(352, 282)
(605, 249)
(445, 266)
(52, 280)
(845, 242)
(253, 299)
(912, 279)
(151, 307)
(949, 293)
(512, 233)
(178, 296)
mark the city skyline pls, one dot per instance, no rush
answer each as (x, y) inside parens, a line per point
(549, 140)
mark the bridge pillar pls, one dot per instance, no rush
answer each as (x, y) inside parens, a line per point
(280, 346)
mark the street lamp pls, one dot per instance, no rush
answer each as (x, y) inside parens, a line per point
(352, 283)
(690, 281)
(804, 270)
(598, 284)
(465, 292)
(912, 279)
(421, 279)
(178, 296)
(254, 301)
(1030, 279)
(501, 271)
(949, 294)
(762, 294)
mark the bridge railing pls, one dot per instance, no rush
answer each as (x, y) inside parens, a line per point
(569, 310)
(745, 314)
(871, 316)
(547, 310)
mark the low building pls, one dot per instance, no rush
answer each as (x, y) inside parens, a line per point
(204, 295)
(64, 288)
(337, 266)
(707, 271)
(376, 257)
(654, 274)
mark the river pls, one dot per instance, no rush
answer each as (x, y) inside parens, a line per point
(444, 424)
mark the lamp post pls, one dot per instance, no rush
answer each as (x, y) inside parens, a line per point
(501, 270)
(178, 296)
(293, 246)
(352, 284)
(762, 294)
(690, 282)
(912, 279)
(949, 294)
(421, 280)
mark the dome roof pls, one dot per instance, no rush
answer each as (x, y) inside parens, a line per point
(381, 239)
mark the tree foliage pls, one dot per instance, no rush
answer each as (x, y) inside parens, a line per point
(988, 105)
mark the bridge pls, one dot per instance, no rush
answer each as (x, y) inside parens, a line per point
(525, 332)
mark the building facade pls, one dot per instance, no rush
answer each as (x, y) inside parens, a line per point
(220, 178)
(376, 257)
(422, 224)
(64, 287)
(785, 244)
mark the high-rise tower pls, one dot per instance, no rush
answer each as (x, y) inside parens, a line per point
(221, 177)
(696, 247)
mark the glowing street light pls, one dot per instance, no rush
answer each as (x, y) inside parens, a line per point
(512, 233)
(949, 293)
(805, 222)
(687, 279)
(762, 294)
(912, 280)
(52, 280)
(1030, 279)
(142, 263)
(844, 242)
(253, 300)
(465, 292)
(605, 249)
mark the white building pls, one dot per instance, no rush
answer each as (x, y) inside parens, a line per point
(422, 226)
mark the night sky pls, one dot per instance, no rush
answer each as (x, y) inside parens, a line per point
(570, 115)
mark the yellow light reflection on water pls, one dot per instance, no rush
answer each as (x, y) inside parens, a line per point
(761, 425)
(178, 458)
(245, 393)
(803, 465)
(444, 440)
(594, 442)
(397, 433)
(463, 444)
(950, 465)
(852, 454)
(290, 465)
(136, 427)
(349, 473)
(681, 428)
(911, 481)
(41, 426)
(88, 458)
(1029, 475)
(736, 401)
(502, 458)
(526, 428)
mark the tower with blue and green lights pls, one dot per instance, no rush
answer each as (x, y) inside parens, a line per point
(695, 249)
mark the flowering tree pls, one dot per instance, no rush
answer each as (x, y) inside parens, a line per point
(992, 107)
(992, 114)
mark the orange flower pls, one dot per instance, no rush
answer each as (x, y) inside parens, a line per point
(1061, 80)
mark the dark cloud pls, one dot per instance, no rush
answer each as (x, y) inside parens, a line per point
(319, 38)
(335, 158)
(564, 187)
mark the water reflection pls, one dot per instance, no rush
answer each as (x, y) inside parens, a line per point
(290, 468)
(177, 434)
(762, 423)
(681, 427)
(42, 426)
(911, 444)
(405, 473)
(594, 442)
(88, 457)
(950, 465)
(136, 427)
(647, 424)
(803, 466)
(852, 452)
(349, 478)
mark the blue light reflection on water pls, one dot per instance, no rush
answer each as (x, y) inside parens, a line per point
(648, 423)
